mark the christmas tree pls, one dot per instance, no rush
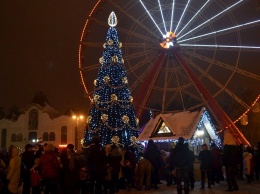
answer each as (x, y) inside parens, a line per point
(112, 115)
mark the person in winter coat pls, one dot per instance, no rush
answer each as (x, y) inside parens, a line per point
(153, 155)
(96, 165)
(230, 160)
(50, 168)
(71, 169)
(14, 170)
(27, 163)
(35, 177)
(216, 164)
(143, 174)
(180, 160)
(206, 164)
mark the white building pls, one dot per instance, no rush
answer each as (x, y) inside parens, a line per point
(39, 123)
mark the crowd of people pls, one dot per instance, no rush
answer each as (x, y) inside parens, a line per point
(106, 170)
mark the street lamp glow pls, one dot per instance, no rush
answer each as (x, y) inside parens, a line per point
(75, 117)
(78, 119)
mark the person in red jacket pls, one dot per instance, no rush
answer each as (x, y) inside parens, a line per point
(50, 167)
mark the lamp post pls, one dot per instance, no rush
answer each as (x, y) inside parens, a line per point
(77, 118)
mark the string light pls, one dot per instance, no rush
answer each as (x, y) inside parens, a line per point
(247, 109)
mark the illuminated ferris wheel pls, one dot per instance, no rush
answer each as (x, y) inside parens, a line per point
(181, 54)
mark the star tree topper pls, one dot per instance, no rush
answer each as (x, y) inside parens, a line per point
(112, 19)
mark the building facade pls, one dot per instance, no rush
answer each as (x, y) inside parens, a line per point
(37, 125)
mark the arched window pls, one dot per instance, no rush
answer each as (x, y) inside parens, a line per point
(32, 135)
(3, 138)
(52, 136)
(33, 120)
(63, 135)
(45, 136)
(13, 138)
(19, 137)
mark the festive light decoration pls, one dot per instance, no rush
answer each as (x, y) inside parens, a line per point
(256, 101)
(106, 79)
(110, 42)
(115, 140)
(205, 122)
(131, 99)
(125, 80)
(215, 16)
(112, 19)
(133, 140)
(125, 119)
(137, 121)
(244, 120)
(101, 60)
(95, 82)
(104, 118)
(89, 119)
(255, 107)
(195, 15)
(113, 97)
(115, 59)
(183, 13)
(96, 97)
(112, 114)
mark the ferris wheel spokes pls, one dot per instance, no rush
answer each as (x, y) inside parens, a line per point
(222, 31)
(217, 83)
(162, 15)
(184, 11)
(192, 19)
(233, 47)
(211, 19)
(223, 65)
(151, 17)
(173, 4)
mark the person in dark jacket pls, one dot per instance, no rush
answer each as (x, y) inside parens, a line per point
(191, 168)
(70, 170)
(27, 163)
(230, 160)
(180, 160)
(206, 163)
(153, 155)
(116, 158)
(216, 164)
(96, 165)
(50, 168)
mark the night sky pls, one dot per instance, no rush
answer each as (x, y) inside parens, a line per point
(39, 52)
